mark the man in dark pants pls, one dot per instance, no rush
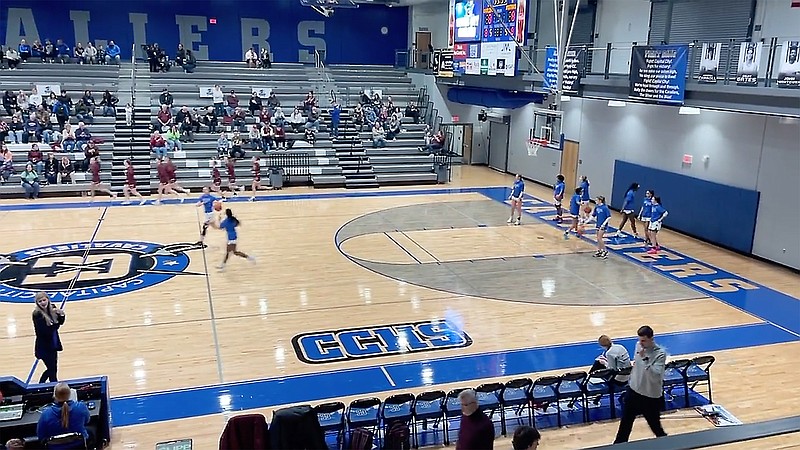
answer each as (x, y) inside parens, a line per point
(645, 388)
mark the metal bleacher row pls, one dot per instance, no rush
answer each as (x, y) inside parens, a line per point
(548, 401)
(349, 161)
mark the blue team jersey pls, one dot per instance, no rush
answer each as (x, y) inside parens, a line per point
(208, 202)
(230, 228)
(657, 212)
(517, 189)
(647, 208)
(602, 213)
(630, 196)
(559, 189)
(585, 194)
(575, 204)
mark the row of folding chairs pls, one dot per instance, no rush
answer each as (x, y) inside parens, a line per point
(521, 395)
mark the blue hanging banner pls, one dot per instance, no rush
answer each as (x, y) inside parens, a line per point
(550, 75)
(658, 73)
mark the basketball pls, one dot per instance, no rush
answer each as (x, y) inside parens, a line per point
(217, 205)
(587, 209)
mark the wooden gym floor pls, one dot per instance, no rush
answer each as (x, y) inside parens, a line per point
(332, 260)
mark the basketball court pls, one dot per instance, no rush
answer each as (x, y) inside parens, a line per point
(185, 345)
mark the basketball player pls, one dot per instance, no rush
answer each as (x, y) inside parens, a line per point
(173, 181)
(130, 185)
(574, 212)
(602, 215)
(558, 195)
(584, 198)
(229, 224)
(658, 214)
(627, 210)
(216, 178)
(94, 167)
(230, 165)
(644, 215)
(207, 202)
(256, 170)
(516, 198)
(163, 181)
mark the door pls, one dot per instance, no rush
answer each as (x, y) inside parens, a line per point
(422, 42)
(498, 146)
(467, 144)
(569, 164)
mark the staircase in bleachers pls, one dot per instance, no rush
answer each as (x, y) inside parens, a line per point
(133, 141)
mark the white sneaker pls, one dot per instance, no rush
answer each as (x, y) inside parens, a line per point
(252, 199)
(142, 202)
(126, 202)
(221, 267)
(252, 259)
(510, 220)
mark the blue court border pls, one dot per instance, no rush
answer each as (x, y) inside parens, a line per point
(780, 312)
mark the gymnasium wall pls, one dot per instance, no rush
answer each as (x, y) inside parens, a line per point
(366, 35)
(433, 17)
(777, 19)
(619, 22)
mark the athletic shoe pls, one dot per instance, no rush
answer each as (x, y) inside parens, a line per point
(126, 202)
(652, 251)
(510, 220)
(252, 259)
(566, 235)
(604, 255)
(251, 199)
(519, 222)
(221, 267)
(598, 254)
(142, 202)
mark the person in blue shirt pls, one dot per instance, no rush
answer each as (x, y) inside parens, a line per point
(24, 50)
(601, 215)
(574, 211)
(229, 224)
(516, 198)
(558, 195)
(336, 112)
(112, 53)
(644, 214)
(207, 200)
(61, 417)
(627, 209)
(657, 215)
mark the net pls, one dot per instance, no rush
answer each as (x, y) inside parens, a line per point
(534, 145)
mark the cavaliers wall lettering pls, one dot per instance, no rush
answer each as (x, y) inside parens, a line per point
(382, 340)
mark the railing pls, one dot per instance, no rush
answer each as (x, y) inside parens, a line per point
(446, 158)
(294, 164)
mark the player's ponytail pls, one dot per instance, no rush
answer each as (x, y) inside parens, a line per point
(231, 217)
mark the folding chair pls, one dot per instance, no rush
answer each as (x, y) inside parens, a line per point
(675, 375)
(570, 389)
(595, 386)
(396, 408)
(427, 406)
(698, 371)
(517, 393)
(451, 408)
(490, 397)
(67, 439)
(544, 392)
(363, 413)
(331, 418)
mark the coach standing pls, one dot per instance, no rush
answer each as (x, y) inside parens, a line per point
(47, 318)
(645, 387)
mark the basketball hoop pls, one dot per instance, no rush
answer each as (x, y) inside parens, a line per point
(534, 145)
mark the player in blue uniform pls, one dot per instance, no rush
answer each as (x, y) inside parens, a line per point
(229, 224)
(516, 198)
(207, 202)
(644, 214)
(602, 215)
(658, 214)
(627, 209)
(574, 211)
(558, 195)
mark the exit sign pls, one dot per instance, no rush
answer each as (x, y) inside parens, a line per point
(183, 444)
(212, 21)
(456, 118)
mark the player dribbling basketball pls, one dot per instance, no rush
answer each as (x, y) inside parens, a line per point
(207, 200)
(229, 224)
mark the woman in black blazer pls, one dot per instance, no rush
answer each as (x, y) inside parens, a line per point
(47, 318)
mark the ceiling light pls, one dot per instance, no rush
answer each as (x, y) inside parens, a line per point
(688, 110)
(616, 103)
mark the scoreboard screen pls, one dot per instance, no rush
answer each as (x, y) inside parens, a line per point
(503, 20)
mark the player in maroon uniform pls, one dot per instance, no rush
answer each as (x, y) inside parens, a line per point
(95, 186)
(216, 178)
(163, 181)
(130, 185)
(256, 171)
(230, 165)
(173, 181)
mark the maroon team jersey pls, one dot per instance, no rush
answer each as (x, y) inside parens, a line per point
(231, 173)
(216, 177)
(129, 177)
(256, 171)
(171, 172)
(163, 176)
(95, 168)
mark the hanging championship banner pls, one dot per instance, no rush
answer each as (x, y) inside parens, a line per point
(789, 69)
(709, 62)
(658, 73)
(574, 64)
(749, 58)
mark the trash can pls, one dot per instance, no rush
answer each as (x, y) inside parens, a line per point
(442, 174)
(276, 177)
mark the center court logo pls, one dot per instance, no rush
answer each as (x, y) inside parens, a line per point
(90, 270)
(382, 340)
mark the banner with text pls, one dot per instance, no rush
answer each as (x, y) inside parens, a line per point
(658, 73)
(749, 58)
(709, 62)
(789, 69)
(498, 58)
(445, 63)
(574, 64)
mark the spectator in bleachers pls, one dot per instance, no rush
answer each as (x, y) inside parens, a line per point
(296, 120)
(191, 62)
(376, 100)
(272, 101)
(12, 57)
(50, 100)
(269, 137)
(358, 117)
(61, 110)
(393, 128)
(390, 106)
(264, 61)
(90, 54)
(210, 120)
(88, 99)
(378, 135)
(90, 152)
(278, 119)
(254, 105)
(37, 50)
(83, 112)
(188, 125)
(62, 51)
(36, 158)
(82, 136)
(217, 98)
(7, 168)
(50, 169)
(65, 170)
(68, 140)
(313, 121)
(254, 135)
(238, 119)
(22, 102)
(24, 50)
(10, 103)
(112, 53)
(30, 182)
(48, 134)
(370, 118)
(236, 145)
(180, 55)
(109, 104)
(163, 119)
(4, 131)
(2, 58)
(158, 145)
(35, 99)
(265, 116)
(280, 138)
(476, 431)
(309, 103)
(251, 57)
(129, 114)
(223, 145)
(80, 53)
(31, 131)
(363, 98)
(233, 103)
(436, 143)
(336, 112)
(173, 139)
(17, 129)
(166, 99)
(66, 99)
(101, 55)
(526, 438)
(50, 52)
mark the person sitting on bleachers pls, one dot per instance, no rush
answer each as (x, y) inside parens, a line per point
(436, 143)
(30, 182)
(12, 57)
(265, 116)
(378, 135)
(50, 51)
(50, 169)
(210, 120)
(312, 123)
(376, 100)
(80, 53)
(309, 102)
(31, 131)
(363, 98)
(254, 105)
(217, 97)
(180, 55)
(358, 117)
(62, 51)
(369, 117)
(188, 126)
(10, 103)
(24, 50)
(68, 140)
(232, 103)
(35, 99)
(254, 135)
(236, 145)
(7, 167)
(101, 55)
(393, 128)
(83, 112)
(296, 120)
(22, 102)
(251, 57)
(63, 416)
(65, 170)
(268, 137)
(239, 119)
(163, 119)
(191, 62)
(88, 98)
(36, 158)
(90, 152)
(264, 60)
(278, 119)
(280, 138)
(412, 111)
(109, 104)
(272, 101)
(66, 99)
(90, 54)
(223, 145)
(61, 111)
(166, 99)
(82, 136)
(17, 129)
(4, 131)
(173, 139)
(37, 50)
(158, 145)
(112, 53)
(390, 106)
(48, 134)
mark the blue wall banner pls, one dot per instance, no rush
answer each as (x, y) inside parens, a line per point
(574, 64)
(658, 73)
(219, 30)
(550, 75)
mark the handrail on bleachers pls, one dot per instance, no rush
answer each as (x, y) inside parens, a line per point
(294, 164)
(713, 437)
